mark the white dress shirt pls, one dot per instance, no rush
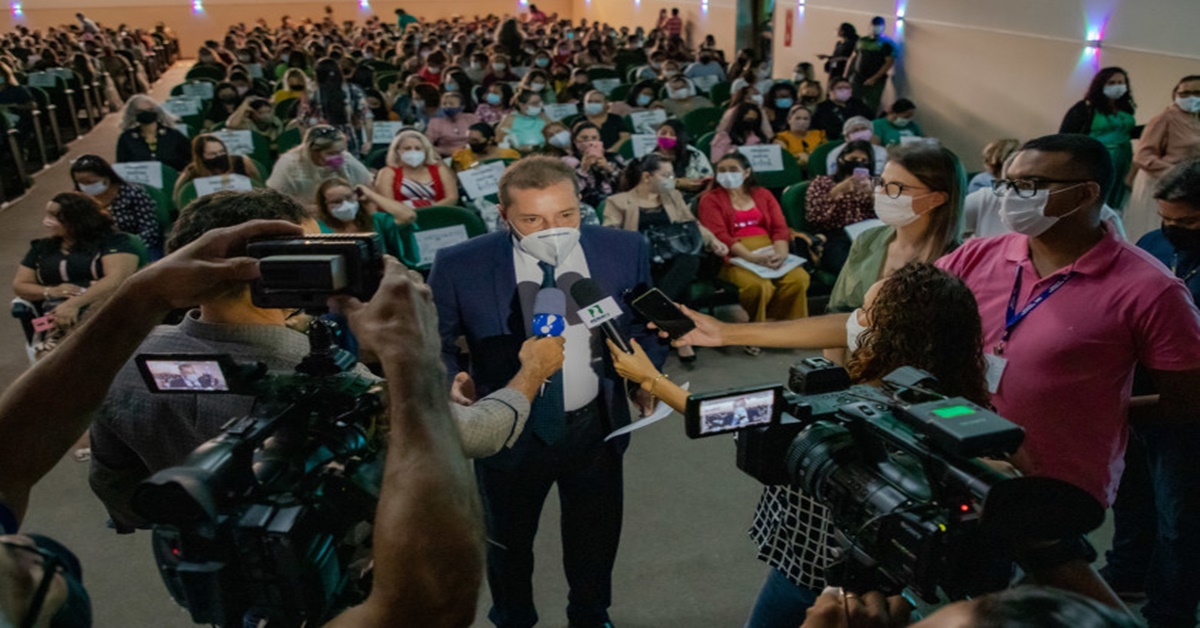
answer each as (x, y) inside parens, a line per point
(581, 380)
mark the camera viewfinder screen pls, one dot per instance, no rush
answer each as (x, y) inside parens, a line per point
(734, 413)
(180, 375)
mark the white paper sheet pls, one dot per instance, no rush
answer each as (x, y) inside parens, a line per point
(858, 228)
(792, 261)
(661, 412)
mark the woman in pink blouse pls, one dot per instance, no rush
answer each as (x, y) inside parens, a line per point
(746, 128)
(448, 131)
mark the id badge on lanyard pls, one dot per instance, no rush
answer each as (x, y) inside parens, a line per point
(996, 362)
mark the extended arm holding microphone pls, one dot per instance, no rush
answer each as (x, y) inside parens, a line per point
(587, 293)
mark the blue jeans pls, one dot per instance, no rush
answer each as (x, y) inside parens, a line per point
(1157, 523)
(780, 604)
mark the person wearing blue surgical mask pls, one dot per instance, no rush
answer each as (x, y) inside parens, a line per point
(641, 97)
(777, 103)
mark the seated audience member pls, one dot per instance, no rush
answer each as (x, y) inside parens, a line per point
(841, 105)
(495, 104)
(898, 123)
(415, 175)
(1160, 488)
(458, 82)
(643, 96)
(294, 85)
(650, 200)
(448, 132)
(919, 200)
(1104, 308)
(499, 71)
(522, 127)
(747, 93)
(748, 220)
(706, 65)
(322, 155)
(670, 69)
(651, 70)
(579, 86)
(558, 140)
(1107, 114)
(845, 197)
(225, 101)
(858, 129)
(747, 127)
(597, 170)
(994, 156)
(81, 262)
(431, 71)
(478, 67)
(149, 134)
(612, 127)
(481, 146)
(128, 204)
(345, 208)
(1170, 138)
(210, 158)
(682, 98)
(778, 101)
(257, 114)
(539, 82)
(379, 106)
(810, 93)
(424, 105)
(693, 170)
(799, 139)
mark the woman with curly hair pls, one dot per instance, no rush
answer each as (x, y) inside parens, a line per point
(920, 316)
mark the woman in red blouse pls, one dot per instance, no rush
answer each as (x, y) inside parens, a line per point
(415, 174)
(747, 218)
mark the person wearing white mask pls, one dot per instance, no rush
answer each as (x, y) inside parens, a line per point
(682, 98)
(538, 81)
(898, 126)
(485, 290)
(346, 208)
(1170, 138)
(612, 127)
(832, 113)
(522, 127)
(858, 129)
(1107, 114)
(748, 220)
(415, 175)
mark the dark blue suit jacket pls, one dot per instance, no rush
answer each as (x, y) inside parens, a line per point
(475, 289)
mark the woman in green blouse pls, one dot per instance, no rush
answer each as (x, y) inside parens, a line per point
(346, 208)
(1106, 113)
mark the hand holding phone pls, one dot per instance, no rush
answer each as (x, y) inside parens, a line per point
(862, 173)
(654, 306)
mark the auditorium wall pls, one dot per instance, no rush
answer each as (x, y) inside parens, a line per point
(718, 17)
(982, 70)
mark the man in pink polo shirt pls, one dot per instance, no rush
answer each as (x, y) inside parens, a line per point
(1069, 309)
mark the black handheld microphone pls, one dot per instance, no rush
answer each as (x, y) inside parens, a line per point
(587, 294)
(549, 313)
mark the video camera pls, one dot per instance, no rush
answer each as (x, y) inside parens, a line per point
(271, 519)
(897, 468)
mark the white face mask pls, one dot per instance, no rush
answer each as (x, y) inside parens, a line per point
(533, 111)
(665, 184)
(562, 139)
(757, 99)
(1027, 216)
(897, 212)
(1190, 104)
(854, 330)
(731, 180)
(499, 67)
(1113, 92)
(537, 87)
(901, 122)
(842, 94)
(860, 136)
(680, 94)
(413, 158)
(346, 211)
(763, 73)
(593, 108)
(552, 246)
(93, 189)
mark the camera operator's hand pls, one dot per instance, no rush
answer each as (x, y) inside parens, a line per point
(836, 608)
(211, 265)
(709, 332)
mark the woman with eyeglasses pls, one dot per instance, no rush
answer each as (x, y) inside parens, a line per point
(128, 203)
(322, 155)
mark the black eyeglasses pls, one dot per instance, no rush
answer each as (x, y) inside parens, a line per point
(893, 189)
(51, 566)
(1027, 188)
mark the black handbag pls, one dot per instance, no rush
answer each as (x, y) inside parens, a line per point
(670, 241)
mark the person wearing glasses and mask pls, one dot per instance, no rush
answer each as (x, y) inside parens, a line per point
(322, 155)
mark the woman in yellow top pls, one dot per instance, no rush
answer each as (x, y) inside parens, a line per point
(294, 85)
(799, 139)
(481, 146)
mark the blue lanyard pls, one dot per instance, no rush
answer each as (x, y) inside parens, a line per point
(1013, 318)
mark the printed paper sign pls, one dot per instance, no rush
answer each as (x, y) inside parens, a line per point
(764, 157)
(237, 142)
(706, 83)
(184, 129)
(600, 312)
(647, 121)
(384, 131)
(255, 70)
(560, 111)
(858, 228)
(482, 180)
(198, 89)
(42, 79)
(181, 106)
(212, 185)
(431, 241)
(144, 172)
(606, 86)
(643, 144)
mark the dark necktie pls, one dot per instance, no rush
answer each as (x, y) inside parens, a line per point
(546, 415)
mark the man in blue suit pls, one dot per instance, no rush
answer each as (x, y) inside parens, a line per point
(484, 290)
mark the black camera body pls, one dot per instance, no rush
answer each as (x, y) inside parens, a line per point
(896, 467)
(271, 519)
(302, 273)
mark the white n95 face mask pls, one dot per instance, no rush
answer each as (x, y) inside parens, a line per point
(1114, 92)
(731, 180)
(897, 212)
(345, 211)
(854, 330)
(552, 246)
(1027, 216)
(413, 158)
(1190, 104)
